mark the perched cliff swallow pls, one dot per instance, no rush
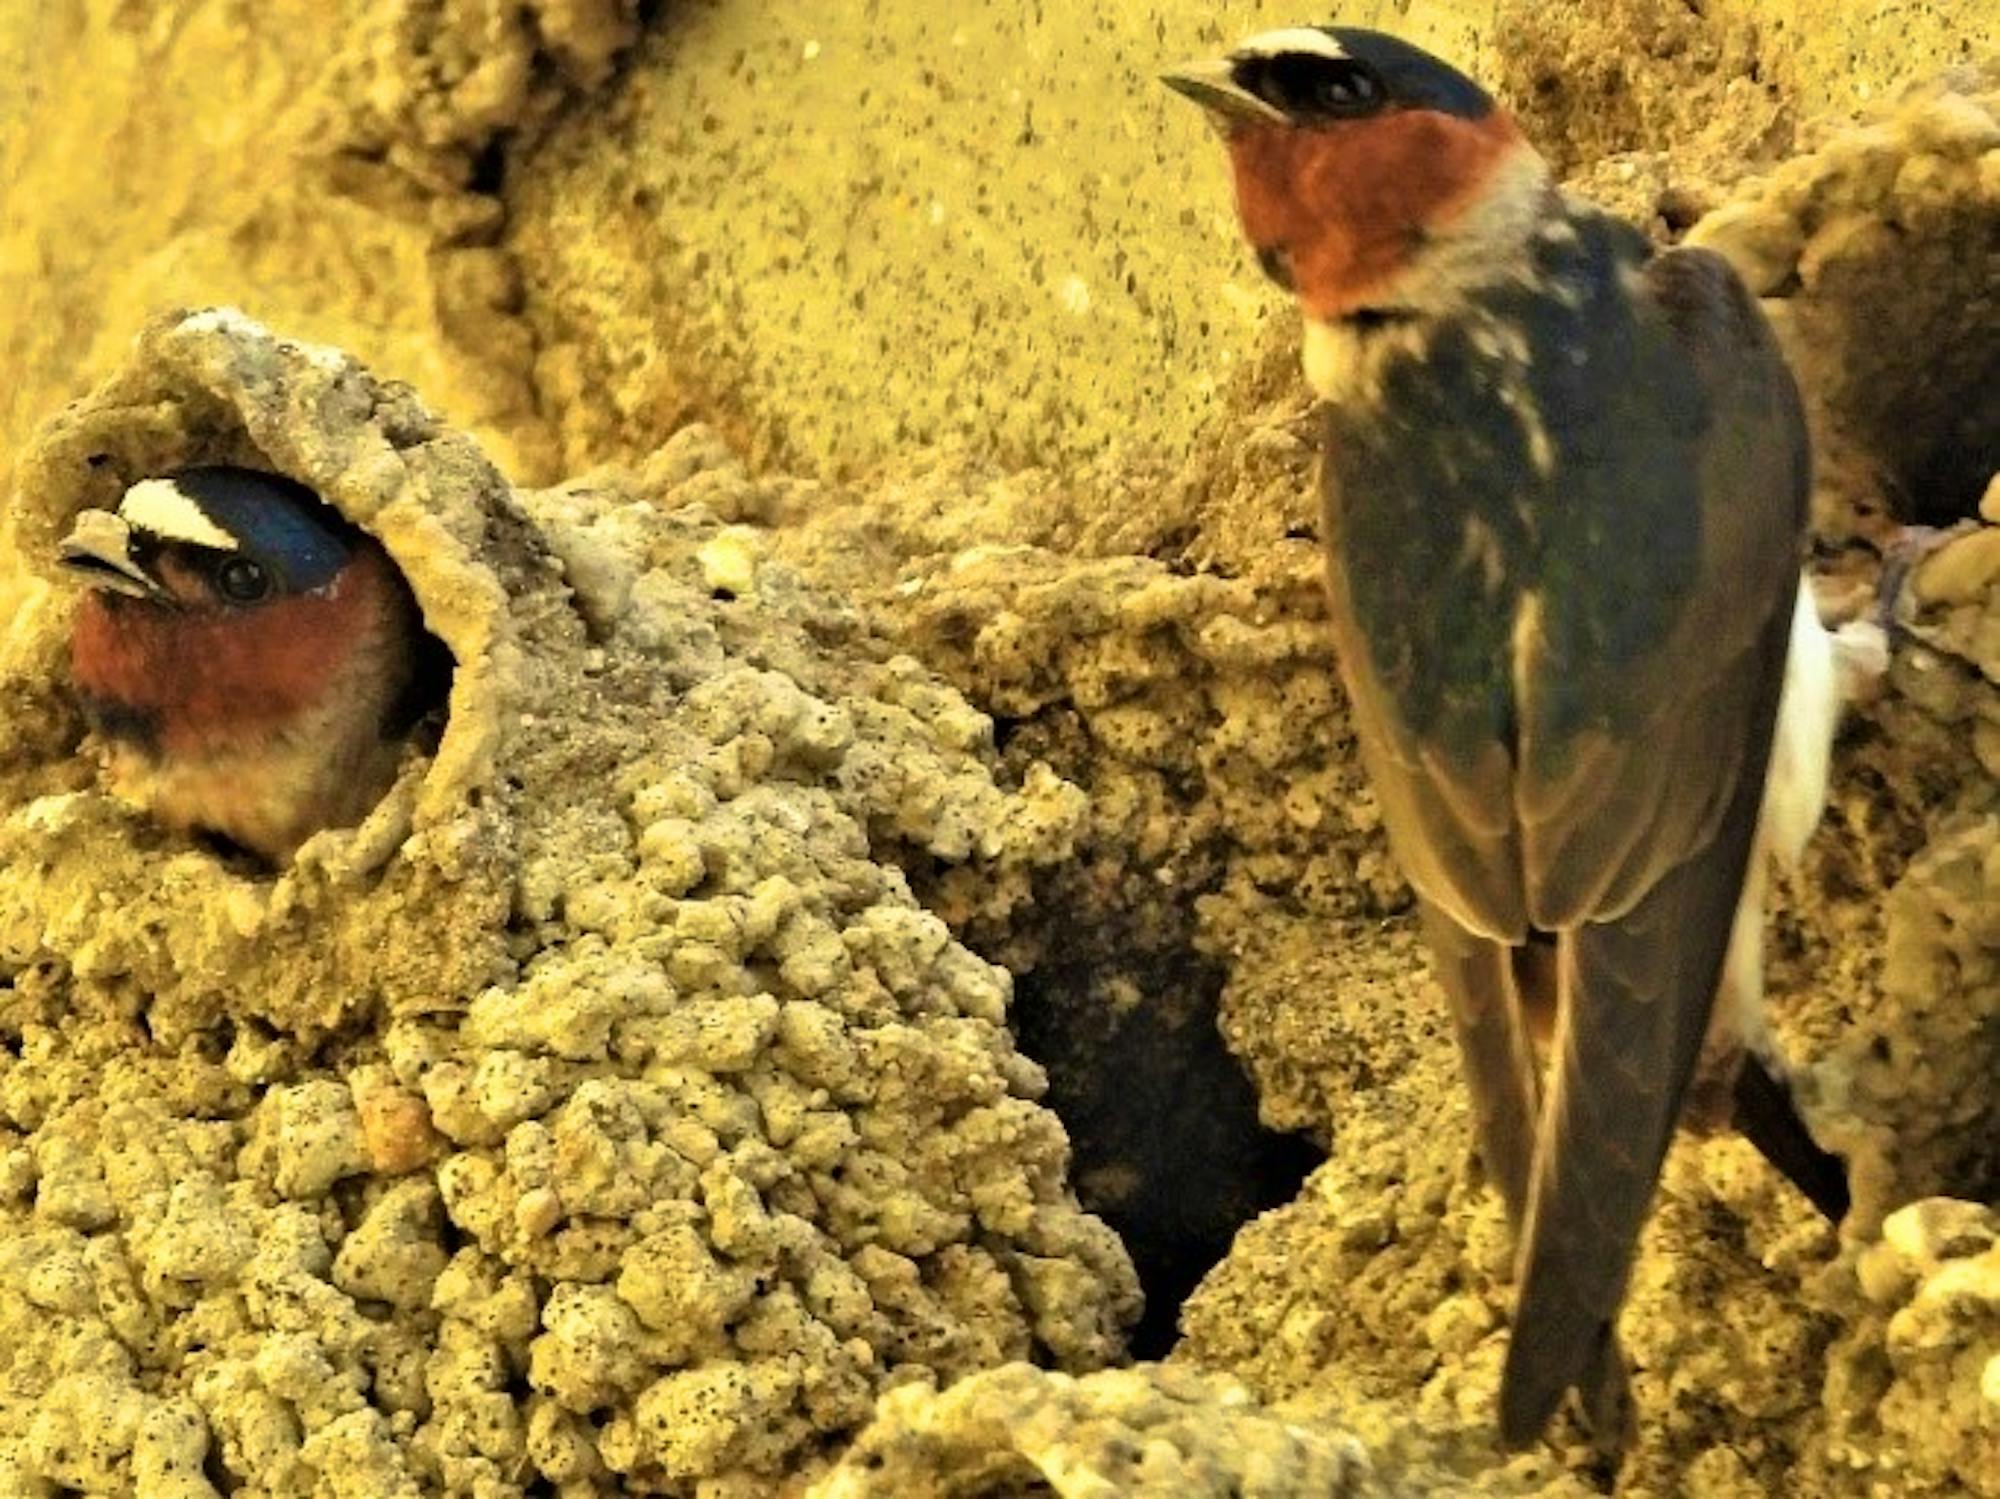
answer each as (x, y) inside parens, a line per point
(251, 660)
(1564, 479)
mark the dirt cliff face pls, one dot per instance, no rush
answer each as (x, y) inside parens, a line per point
(834, 900)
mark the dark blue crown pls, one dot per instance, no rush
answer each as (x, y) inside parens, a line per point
(276, 520)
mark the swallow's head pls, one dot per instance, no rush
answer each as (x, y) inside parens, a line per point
(227, 605)
(1372, 179)
(210, 541)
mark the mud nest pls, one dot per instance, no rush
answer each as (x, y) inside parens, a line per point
(603, 1112)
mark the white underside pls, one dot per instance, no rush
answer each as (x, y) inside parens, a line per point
(1821, 672)
(1802, 743)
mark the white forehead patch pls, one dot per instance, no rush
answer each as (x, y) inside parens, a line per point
(1290, 39)
(160, 507)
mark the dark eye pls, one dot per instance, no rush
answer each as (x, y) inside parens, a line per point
(242, 581)
(1307, 86)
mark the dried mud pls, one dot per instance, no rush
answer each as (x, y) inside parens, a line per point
(661, 1090)
(604, 1111)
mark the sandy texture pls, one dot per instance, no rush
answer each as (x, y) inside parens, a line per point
(1153, 1430)
(605, 1108)
(836, 234)
(1898, 218)
(834, 237)
(641, 1100)
(1914, 1384)
(329, 166)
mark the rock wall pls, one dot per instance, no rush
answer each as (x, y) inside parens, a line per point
(672, 1065)
(835, 237)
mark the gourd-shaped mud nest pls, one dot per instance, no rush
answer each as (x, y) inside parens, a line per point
(602, 1114)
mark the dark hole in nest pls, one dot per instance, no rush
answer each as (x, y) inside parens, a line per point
(216, 1471)
(1982, 1177)
(1162, 1119)
(1943, 449)
(228, 851)
(421, 711)
(1901, 335)
(489, 167)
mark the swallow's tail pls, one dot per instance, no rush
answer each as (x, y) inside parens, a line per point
(1636, 994)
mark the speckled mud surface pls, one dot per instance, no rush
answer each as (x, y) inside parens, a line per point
(605, 1111)
(658, 1091)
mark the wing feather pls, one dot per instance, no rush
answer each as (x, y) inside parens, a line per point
(1634, 1005)
(1477, 977)
(1646, 920)
(1575, 741)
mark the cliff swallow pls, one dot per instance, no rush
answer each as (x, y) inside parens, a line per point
(1564, 479)
(251, 660)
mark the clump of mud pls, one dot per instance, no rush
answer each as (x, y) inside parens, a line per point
(1914, 1381)
(1155, 1429)
(1616, 79)
(604, 1112)
(1897, 216)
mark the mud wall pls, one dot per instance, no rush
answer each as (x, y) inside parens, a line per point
(987, 588)
(834, 236)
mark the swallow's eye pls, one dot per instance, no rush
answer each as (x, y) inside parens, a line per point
(1309, 86)
(242, 581)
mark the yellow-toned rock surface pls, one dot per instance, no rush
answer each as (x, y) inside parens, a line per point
(578, 223)
(933, 741)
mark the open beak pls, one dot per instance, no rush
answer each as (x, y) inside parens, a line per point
(100, 548)
(1212, 84)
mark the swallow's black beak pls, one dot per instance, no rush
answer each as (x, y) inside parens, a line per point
(1212, 84)
(100, 550)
